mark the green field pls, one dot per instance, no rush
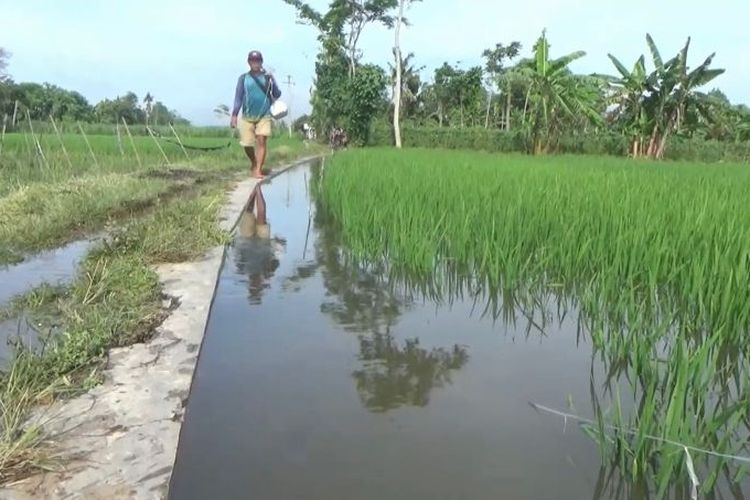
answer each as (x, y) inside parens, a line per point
(656, 257)
(22, 163)
(46, 198)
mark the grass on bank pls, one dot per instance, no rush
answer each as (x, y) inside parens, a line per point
(54, 207)
(21, 164)
(116, 299)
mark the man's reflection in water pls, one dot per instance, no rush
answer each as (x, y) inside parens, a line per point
(255, 251)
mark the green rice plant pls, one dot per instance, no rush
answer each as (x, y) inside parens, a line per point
(654, 256)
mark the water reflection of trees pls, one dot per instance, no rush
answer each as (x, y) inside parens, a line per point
(653, 374)
(364, 301)
(394, 375)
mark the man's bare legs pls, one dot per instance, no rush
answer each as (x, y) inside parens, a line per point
(250, 152)
(261, 206)
(251, 201)
(260, 155)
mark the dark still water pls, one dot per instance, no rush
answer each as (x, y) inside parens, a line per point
(320, 381)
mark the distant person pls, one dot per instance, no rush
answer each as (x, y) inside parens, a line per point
(338, 138)
(254, 95)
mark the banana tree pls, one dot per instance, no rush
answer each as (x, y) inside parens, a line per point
(555, 94)
(683, 97)
(628, 95)
(653, 106)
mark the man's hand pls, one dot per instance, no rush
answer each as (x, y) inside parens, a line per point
(233, 121)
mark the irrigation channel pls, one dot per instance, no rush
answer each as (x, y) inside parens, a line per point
(320, 379)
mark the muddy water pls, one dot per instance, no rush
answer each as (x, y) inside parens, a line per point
(317, 380)
(53, 267)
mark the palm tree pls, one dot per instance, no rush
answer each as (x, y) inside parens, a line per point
(221, 111)
(555, 94)
(411, 83)
(500, 76)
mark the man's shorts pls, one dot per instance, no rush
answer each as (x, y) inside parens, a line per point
(251, 128)
(248, 227)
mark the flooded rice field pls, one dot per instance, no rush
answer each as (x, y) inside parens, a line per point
(321, 379)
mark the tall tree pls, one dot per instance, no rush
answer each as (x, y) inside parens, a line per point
(457, 95)
(4, 56)
(221, 111)
(397, 85)
(495, 66)
(340, 95)
(366, 98)
(7, 88)
(345, 21)
(113, 111)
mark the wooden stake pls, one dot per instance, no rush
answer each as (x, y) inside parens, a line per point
(28, 146)
(2, 136)
(59, 137)
(15, 114)
(36, 140)
(86, 139)
(119, 140)
(158, 145)
(179, 141)
(132, 142)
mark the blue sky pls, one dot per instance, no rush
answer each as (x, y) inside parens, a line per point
(188, 54)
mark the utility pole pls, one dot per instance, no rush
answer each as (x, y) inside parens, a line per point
(289, 85)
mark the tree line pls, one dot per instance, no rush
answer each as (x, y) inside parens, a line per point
(45, 100)
(531, 93)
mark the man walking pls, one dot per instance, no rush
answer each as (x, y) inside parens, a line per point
(256, 90)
